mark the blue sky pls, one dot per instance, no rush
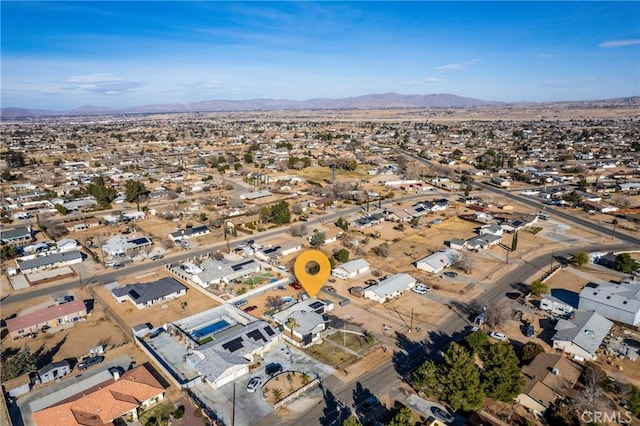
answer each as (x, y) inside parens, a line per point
(61, 55)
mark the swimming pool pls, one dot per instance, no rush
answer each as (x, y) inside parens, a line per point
(209, 329)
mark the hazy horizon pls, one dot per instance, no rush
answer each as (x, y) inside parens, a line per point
(61, 56)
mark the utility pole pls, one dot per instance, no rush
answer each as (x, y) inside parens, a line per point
(551, 268)
(233, 408)
(411, 318)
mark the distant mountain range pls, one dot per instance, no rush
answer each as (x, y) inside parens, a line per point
(372, 101)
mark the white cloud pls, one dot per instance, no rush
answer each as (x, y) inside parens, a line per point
(618, 43)
(103, 84)
(432, 80)
(446, 69)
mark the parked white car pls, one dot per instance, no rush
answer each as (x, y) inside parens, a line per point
(421, 289)
(499, 336)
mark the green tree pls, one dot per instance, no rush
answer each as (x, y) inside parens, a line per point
(351, 421)
(425, 379)
(477, 341)
(460, 380)
(61, 209)
(342, 224)
(530, 351)
(278, 213)
(21, 363)
(133, 191)
(560, 413)
(404, 417)
(104, 194)
(633, 401)
(6, 175)
(248, 157)
(539, 288)
(625, 263)
(317, 239)
(581, 258)
(501, 375)
(341, 255)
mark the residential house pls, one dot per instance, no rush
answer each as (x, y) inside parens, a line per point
(303, 322)
(396, 214)
(492, 228)
(276, 251)
(54, 371)
(66, 244)
(227, 357)
(581, 335)
(17, 386)
(457, 244)
(20, 236)
(186, 233)
(54, 260)
(52, 316)
(438, 261)
(120, 245)
(145, 295)
(367, 221)
(617, 302)
(212, 271)
(390, 287)
(547, 378)
(351, 269)
(120, 397)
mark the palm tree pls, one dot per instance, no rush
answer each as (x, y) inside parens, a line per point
(292, 324)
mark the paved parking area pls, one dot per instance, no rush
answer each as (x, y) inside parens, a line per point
(250, 406)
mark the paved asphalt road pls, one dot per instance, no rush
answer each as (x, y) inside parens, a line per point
(386, 377)
(99, 275)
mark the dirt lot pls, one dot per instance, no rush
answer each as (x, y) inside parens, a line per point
(157, 314)
(75, 342)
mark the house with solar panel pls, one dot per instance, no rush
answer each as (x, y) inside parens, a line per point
(216, 346)
(303, 323)
(145, 295)
(212, 271)
(121, 245)
(189, 232)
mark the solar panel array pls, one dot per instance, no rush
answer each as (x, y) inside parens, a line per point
(256, 335)
(233, 345)
(269, 331)
(239, 266)
(316, 305)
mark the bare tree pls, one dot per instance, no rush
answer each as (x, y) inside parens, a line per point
(495, 315)
(620, 201)
(593, 378)
(467, 263)
(274, 302)
(298, 230)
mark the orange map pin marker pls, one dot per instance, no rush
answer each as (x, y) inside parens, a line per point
(312, 283)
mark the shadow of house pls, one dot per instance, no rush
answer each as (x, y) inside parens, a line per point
(411, 354)
(335, 411)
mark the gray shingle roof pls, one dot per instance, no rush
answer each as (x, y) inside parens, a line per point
(586, 330)
(51, 259)
(142, 293)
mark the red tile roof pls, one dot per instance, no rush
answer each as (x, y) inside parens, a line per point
(45, 315)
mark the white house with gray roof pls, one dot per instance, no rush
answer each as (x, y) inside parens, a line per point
(308, 320)
(50, 261)
(438, 261)
(581, 335)
(351, 269)
(390, 287)
(214, 271)
(618, 302)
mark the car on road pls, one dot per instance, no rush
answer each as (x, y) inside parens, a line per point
(254, 384)
(90, 362)
(118, 266)
(473, 328)
(450, 274)
(250, 308)
(240, 303)
(442, 415)
(330, 288)
(295, 285)
(273, 369)
(499, 336)
(157, 257)
(281, 288)
(421, 289)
